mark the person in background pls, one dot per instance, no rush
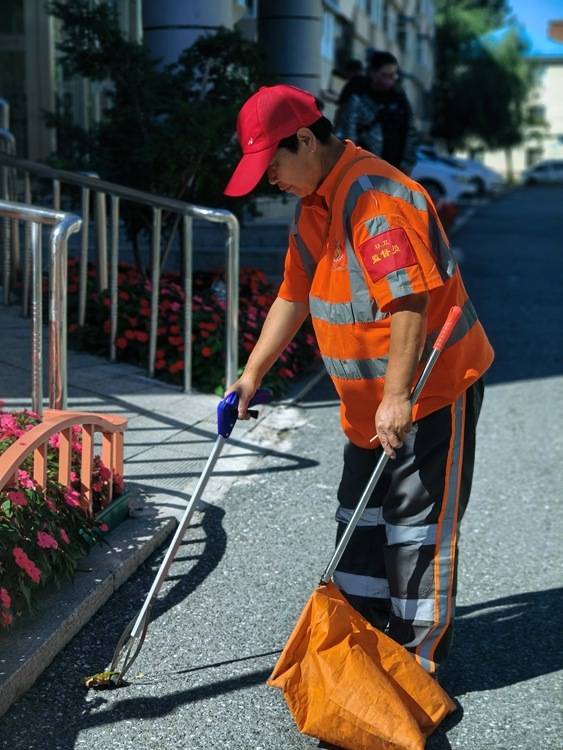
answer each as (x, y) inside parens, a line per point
(375, 114)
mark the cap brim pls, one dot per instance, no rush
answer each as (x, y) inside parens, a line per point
(249, 171)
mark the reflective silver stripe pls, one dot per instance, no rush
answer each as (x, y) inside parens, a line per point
(399, 283)
(446, 261)
(410, 534)
(370, 516)
(376, 225)
(394, 189)
(341, 313)
(356, 369)
(420, 610)
(357, 585)
(446, 564)
(309, 263)
(465, 323)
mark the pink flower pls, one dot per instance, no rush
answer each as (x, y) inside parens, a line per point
(46, 541)
(54, 441)
(9, 426)
(51, 505)
(76, 447)
(76, 430)
(64, 536)
(6, 618)
(17, 497)
(72, 498)
(105, 473)
(5, 599)
(97, 486)
(73, 476)
(25, 480)
(103, 527)
(23, 561)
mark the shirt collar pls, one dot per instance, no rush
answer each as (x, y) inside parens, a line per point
(326, 189)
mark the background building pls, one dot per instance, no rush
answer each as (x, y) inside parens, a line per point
(544, 135)
(306, 43)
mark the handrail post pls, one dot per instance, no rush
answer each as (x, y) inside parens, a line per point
(114, 270)
(231, 311)
(155, 282)
(187, 243)
(36, 321)
(27, 250)
(83, 283)
(102, 236)
(8, 141)
(57, 309)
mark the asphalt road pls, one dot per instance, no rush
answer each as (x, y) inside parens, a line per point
(248, 566)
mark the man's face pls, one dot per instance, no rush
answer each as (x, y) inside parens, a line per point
(298, 173)
(384, 78)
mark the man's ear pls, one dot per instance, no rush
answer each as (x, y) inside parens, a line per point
(306, 137)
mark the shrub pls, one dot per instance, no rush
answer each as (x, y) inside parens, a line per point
(208, 337)
(43, 533)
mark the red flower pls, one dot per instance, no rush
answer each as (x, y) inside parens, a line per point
(206, 351)
(103, 527)
(174, 330)
(121, 343)
(129, 334)
(5, 599)
(27, 565)
(64, 536)
(175, 340)
(46, 541)
(160, 364)
(142, 336)
(6, 618)
(125, 296)
(176, 367)
(17, 498)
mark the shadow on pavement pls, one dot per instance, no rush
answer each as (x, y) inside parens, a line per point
(505, 641)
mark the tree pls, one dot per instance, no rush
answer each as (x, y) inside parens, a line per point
(482, 79)
(167, 130)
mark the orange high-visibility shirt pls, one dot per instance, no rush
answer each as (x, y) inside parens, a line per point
(384, 241)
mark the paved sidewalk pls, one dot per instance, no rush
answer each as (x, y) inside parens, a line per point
(168, 440)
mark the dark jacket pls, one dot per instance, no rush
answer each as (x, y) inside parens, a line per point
(381, 122)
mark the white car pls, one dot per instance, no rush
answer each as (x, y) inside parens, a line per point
(485, 179)
(547, 171)
(442, 181)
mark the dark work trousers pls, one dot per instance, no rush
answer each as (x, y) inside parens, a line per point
(399, 568)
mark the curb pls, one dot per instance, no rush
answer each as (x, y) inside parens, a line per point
(36, 641)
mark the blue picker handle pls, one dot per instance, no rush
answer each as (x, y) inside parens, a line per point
(227, 409)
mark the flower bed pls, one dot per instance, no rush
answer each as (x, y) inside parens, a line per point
(208, 338)
(43, 534)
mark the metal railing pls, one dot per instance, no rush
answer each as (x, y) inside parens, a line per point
(64, 224)
(186, 211)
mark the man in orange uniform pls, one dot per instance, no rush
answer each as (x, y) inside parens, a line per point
(369, 261)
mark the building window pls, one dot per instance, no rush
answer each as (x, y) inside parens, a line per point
(327, 39)
(375, 11)
(402, 22)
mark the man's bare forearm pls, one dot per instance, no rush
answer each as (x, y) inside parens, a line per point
(408, 332)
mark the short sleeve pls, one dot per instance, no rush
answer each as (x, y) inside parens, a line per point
(296, 284)
(393, 244)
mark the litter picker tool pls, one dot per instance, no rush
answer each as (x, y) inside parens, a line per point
(132, 638)
(344, 681)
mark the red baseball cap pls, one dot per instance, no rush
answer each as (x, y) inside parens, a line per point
(271, 114)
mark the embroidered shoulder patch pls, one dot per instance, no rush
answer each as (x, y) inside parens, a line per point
(387, 252)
